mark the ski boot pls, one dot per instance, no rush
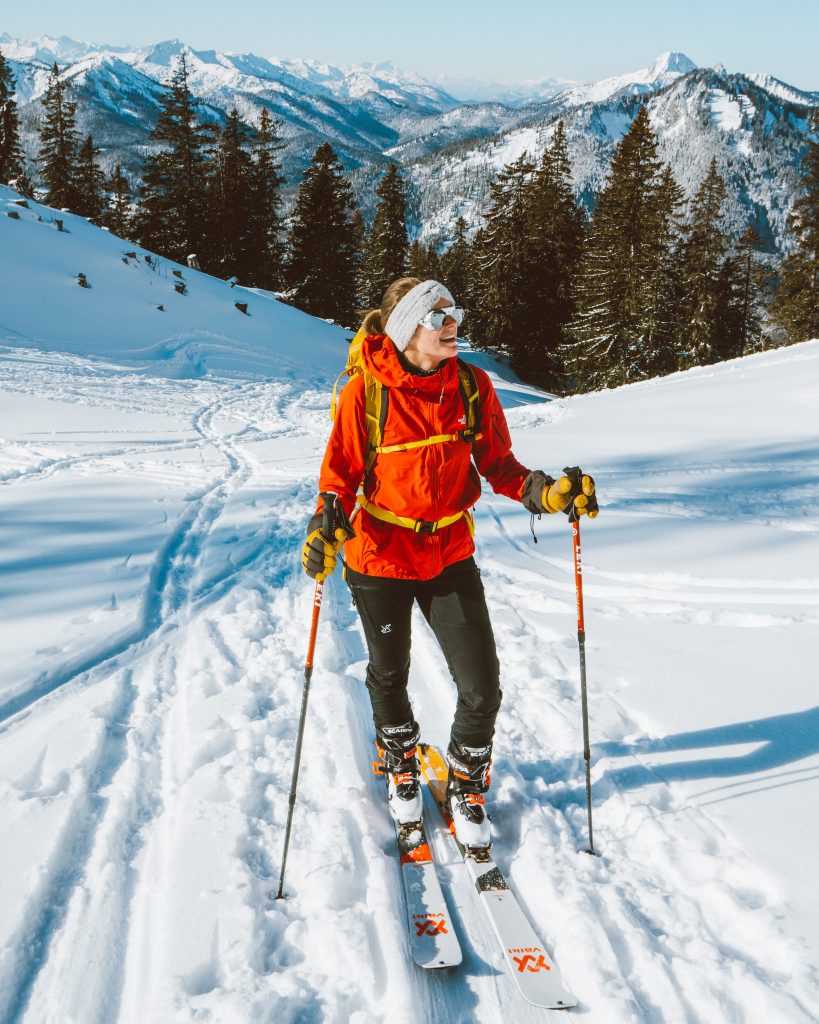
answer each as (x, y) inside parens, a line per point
(468, 781)
(399, 765)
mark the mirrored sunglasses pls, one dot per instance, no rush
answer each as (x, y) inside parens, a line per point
(436, 318)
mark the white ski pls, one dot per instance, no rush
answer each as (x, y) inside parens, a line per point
(432, 938)
(534, 973)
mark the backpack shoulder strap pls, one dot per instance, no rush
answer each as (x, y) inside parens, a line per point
(471, 397)
(376, 403)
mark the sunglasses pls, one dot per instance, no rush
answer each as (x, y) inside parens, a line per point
(436, 318)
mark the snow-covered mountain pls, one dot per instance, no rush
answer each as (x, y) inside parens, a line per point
(376, 113)
(757, 137)
(157, 470)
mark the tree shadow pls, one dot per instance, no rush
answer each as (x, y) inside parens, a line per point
(778, 740)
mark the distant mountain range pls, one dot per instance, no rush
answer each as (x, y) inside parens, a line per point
(450, 136)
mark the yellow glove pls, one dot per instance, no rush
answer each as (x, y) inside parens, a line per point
(326, 533)
(542, 493)
(319, 555)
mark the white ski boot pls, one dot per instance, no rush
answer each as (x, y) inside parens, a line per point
(399, 764)
(468, 781)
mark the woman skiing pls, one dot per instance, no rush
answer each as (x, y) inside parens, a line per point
(411, 434)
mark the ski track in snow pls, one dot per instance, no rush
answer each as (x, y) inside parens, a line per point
(154, 899)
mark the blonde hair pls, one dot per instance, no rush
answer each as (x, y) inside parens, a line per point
(375, 320)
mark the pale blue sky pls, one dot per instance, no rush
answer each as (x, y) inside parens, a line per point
(503, 40)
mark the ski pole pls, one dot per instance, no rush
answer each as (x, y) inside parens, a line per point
(308, 673)
(576, 477)
(334, 519)
(574, 522)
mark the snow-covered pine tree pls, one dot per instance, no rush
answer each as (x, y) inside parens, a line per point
(502, 271)
(59, 143)
(797, 304)
(387, 245)
(231, 194)
(117, 214)
(322, 265)
(709, 306)
(173, 204)
(11, 156)
(614, 311)
(89, 182)
(266, 223)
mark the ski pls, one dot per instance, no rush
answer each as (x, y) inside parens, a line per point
(534, 973)
(432, 939)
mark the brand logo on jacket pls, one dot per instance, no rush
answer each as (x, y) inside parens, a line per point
(387, 628)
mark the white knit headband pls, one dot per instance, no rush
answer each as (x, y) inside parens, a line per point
(413, 308)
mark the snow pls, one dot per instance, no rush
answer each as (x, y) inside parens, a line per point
(154, 618)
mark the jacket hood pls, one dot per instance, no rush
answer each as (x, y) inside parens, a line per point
(380, 356)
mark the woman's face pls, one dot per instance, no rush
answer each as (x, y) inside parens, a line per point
(429, 348)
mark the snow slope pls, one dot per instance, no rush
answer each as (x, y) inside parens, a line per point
(154, 619)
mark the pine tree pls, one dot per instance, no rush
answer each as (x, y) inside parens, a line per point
(387, 245)
(797, 304)
(552, 250)
(456, 265)
(751, 281)
(322, 265)
(358, 235)
(266, 224)
(663, 280)
(231, 202)
(117, 215)
(173, 206)
(709, 321)
(615, 301)
(502, 310)
(89, 182)
(59, 143)
(11, 156)
(423, 262)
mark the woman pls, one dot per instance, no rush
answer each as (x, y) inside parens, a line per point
(413, 532)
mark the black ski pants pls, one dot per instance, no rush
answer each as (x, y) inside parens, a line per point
(454, 605)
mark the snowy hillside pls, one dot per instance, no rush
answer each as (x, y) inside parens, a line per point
(153, 617)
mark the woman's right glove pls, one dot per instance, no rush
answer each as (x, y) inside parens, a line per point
(573, 493)
(326, 533)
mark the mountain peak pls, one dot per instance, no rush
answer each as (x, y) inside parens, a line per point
(671, 62)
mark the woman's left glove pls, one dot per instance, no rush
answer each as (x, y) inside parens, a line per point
(573, 493)
(326, 533)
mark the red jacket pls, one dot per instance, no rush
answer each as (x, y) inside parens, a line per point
(430, 482)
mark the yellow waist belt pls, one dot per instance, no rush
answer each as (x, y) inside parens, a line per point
(417, 525)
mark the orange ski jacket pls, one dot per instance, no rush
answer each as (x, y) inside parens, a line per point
(428, 483)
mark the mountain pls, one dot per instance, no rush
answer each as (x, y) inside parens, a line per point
(375, 113)
(757, 136)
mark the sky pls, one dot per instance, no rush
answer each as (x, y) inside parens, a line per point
(501, 40)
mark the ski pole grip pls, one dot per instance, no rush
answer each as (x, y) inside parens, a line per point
(334, 517)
